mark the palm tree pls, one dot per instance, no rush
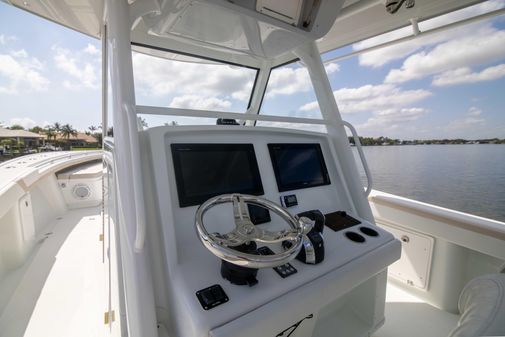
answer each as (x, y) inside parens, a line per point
(50, 132)
(57, 127)
(97, 135)
(67, 130)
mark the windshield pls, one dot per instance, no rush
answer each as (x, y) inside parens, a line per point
(190, 83)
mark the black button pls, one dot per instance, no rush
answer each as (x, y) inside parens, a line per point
(290, 200)
(217, 293)
(285, 270)
(212, 296)
(265, 251)
(208, 297)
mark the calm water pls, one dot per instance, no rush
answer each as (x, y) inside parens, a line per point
(468, 178)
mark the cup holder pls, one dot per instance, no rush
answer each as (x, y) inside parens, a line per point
(368, 231)
(353, 236)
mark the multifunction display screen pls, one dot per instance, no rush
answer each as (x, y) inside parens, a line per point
(298, 166)
(203, 171)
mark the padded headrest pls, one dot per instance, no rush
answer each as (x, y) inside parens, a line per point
(482, 307)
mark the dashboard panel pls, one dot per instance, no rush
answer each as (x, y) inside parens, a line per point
(191, 268)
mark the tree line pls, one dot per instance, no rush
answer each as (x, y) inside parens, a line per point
(66, 131)
(370, 141)
(57, 133)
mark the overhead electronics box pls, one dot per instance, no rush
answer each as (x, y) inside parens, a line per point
(287, 11)
(264, 28)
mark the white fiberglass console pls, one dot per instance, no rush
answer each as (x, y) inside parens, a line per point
(338, 293)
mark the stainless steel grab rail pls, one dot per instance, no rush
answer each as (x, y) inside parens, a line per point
(362, 157)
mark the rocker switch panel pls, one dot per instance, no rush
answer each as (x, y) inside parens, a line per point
(212, 296)
(289, 200)
(285, 270)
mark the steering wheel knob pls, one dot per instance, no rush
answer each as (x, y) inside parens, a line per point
(245, 231)
(306, 224)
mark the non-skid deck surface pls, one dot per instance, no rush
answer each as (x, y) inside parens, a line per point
(406, 315)
(61, 289)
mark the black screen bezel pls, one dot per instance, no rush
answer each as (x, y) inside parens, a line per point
(298, 185)
(185, 200)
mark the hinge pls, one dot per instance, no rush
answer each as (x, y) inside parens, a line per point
(109, 317)
(100, 237)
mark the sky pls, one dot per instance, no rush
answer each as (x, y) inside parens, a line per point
(447, 85)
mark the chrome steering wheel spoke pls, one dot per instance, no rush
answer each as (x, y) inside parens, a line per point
(231, 239)
(222, 245)
(273, 237)
(240, 211)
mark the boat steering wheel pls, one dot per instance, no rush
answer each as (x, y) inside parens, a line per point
(245, 231)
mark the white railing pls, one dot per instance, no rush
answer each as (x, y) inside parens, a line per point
(468, 230)
(362, 157)
(165, 111)
(154, 110)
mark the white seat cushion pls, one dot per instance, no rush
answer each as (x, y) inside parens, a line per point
(482, 307)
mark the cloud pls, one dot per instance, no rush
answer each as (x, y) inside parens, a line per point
(83, 73)
(391, 119)
(4, 39)
(211, 86)
(19, 53)
(470, 120)
(373, 98)
(484, 45)
(25, 122)
(465, 75)
(332, 68)
(296, 126)
(19, 72)
(288, 80)
(473, 111)
(92, 50)
(199, 102)
(386, 55)
(403, 115)
(157, 77)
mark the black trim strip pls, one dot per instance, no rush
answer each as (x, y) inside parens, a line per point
(268, 79)
(192, 55)
(286, 63)
(284, 15)
(214, 60)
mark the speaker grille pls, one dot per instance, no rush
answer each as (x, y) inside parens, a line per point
(81, 192)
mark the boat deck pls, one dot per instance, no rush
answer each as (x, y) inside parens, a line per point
(61, 290)
(407, 315)
(28, 167)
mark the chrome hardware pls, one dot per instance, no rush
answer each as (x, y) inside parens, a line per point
(357, 142)
(310, 254)
(245, 231)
